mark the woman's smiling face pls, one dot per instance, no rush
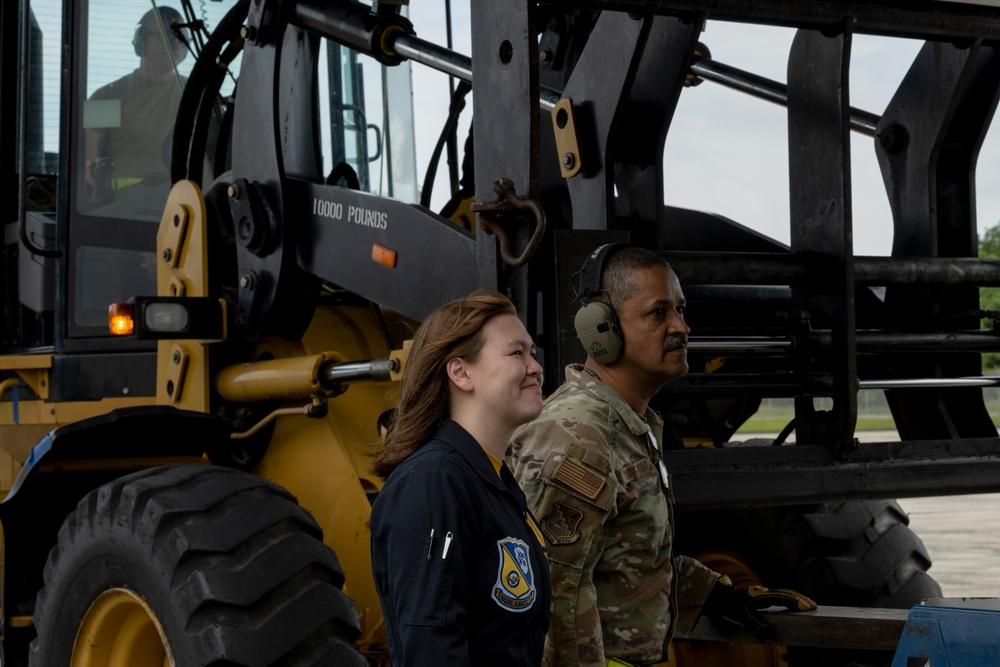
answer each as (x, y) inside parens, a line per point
(506, 376)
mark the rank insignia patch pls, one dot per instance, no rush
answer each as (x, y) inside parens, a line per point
(515, 586)
(563, 525)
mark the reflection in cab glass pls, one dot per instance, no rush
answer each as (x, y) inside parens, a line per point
(129, 121)
(132, 93)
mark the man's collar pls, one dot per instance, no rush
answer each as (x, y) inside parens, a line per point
(581, 376)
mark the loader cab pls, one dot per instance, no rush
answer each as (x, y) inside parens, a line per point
(95, 174)
(125, 89)
(104, 80)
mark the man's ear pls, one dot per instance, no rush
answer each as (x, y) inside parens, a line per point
(458, 374)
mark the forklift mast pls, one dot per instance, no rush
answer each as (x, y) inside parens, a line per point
(579, 161)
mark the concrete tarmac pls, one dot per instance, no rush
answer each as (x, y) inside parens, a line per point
(961, 533)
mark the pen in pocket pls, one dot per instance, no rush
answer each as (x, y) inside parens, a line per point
(447, 545)
(430, 545)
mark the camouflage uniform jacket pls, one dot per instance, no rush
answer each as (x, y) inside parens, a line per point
(592, 476)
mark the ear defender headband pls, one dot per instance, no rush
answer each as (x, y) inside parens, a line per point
(596, 323)
(167, 14)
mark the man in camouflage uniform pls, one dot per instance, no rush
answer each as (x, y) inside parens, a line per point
(591, 469)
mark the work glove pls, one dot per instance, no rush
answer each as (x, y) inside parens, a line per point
(741, 605)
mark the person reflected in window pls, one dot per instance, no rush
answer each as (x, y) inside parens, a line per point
(129, 121)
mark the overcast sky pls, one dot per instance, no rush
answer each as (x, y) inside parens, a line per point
(726, 152)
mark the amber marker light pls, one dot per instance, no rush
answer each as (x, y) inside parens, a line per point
(121, 319)
(384, 256)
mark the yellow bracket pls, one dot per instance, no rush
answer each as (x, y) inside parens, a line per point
(714, 364)
(38, 380)
(567, 143)
(33, 369)
(176, 287)
(175, 373)
(398, 359)
(182, 270)
(173, 233)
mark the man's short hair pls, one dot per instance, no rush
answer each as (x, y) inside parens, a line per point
(618, 278)
(167, 14)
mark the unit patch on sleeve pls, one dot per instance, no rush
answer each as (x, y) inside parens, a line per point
(515, 586)
(562, 526)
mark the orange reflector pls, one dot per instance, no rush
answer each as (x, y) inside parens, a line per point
(384, 256)
(120, 319)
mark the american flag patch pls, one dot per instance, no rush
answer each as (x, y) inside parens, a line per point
(578, 478)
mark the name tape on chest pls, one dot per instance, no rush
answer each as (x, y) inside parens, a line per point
(637, 469)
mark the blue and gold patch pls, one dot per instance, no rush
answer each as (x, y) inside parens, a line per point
(515, 586)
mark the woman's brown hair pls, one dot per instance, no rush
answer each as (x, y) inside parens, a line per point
(455, 330)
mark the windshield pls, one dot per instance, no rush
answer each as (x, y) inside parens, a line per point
(130, 62)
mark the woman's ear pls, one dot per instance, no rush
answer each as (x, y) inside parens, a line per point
(458, 374)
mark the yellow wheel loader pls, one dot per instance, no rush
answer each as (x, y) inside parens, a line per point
(221, 249)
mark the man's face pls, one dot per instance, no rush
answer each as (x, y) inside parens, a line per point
(654, 330)
(156, 53)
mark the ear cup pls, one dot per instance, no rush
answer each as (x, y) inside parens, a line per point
(168, 15)
(597, 328)
(139, 40)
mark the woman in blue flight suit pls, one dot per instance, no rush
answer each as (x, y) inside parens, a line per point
(458, 561)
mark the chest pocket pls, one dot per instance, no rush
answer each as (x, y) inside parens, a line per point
(643, 507)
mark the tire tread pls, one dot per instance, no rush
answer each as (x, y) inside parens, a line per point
(242, 576)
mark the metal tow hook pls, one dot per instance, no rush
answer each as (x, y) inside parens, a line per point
(505, 201)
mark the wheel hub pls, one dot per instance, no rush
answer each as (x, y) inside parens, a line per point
(120, 630)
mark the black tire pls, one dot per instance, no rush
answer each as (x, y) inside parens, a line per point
(861, 554)
(231, 567)
(856, 554)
